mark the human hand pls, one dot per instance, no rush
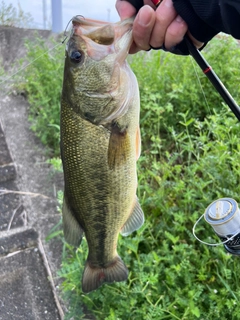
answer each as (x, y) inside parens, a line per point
(155, 28)
(142, 25)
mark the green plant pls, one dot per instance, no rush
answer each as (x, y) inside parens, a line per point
(172, 276)
(190, 157)
(10, 16)
(43, 80)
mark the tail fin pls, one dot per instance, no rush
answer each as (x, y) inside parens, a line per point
(94, 277)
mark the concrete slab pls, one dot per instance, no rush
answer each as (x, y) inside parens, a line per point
(25, 292)
(7, 172)
(11, 38)
(28, 264)
(5, 157)
(18, 241)
(12, 213)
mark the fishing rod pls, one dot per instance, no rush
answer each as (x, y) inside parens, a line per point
(209, 72)
(216, 82)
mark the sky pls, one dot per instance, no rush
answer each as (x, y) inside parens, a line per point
(95, 9)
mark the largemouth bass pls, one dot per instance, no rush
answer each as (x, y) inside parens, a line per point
(100, 144)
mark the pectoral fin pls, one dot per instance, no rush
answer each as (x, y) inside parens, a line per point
(119, 147)
(138, 143)
(135, 221)
(72, 231)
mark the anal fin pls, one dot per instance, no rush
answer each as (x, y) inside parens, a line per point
(135, 220)
(72, 230)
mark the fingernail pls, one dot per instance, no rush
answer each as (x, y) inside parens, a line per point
(168, 3)
(179, 19)
(144, 16)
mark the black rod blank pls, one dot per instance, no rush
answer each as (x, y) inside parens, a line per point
(208, 71)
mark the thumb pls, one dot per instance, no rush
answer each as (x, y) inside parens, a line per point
(125, 9)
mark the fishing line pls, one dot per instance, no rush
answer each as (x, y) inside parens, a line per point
(211, 75)
(207, 243)
(65, 31)
(47, 51)
(200, 84)
(30, 63)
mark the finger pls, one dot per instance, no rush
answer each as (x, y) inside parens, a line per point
(125, 9)
(134, 48)
(175, 32)
(150, 3)
(142, 27)
(165, 14)
(197, 43)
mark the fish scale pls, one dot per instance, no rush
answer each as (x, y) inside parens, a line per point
(99, 153)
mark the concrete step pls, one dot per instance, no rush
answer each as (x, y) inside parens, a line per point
(25, 290)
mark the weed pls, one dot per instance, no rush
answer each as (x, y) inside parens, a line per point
(10, 16)
(190, 157)
(42, 86)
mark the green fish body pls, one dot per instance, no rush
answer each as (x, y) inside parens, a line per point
(100, 144)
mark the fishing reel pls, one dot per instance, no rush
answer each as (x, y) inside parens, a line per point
(224, 217)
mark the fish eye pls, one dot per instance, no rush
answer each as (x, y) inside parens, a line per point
(76, 56)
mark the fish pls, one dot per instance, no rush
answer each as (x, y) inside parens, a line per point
(100, 144)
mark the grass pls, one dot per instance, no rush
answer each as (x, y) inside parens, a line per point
(42, 86)
(190, 157)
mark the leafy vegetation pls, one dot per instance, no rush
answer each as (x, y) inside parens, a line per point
(10, 16)
(42, 86)
(190, 157)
